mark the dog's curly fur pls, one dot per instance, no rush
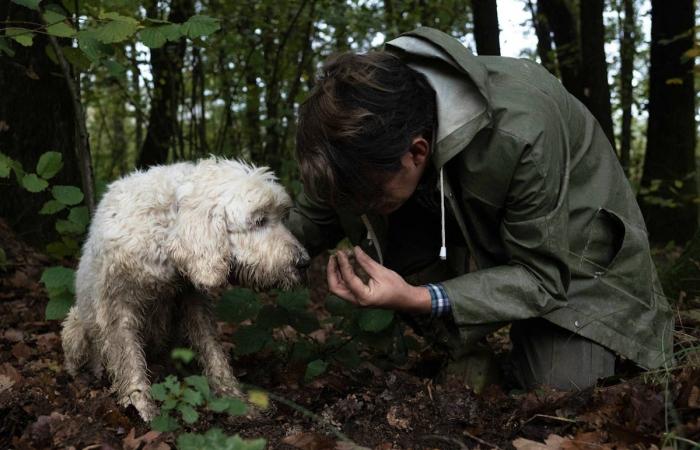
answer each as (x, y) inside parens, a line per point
(160, 242)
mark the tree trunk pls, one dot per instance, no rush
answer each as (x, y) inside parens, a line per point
(594, 79)
(544, 38)
(671, 132)
(628, 42)
(563, 24)
(166, 67)
(36, 115)
(486, 30)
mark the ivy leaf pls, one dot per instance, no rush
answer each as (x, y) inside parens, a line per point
(49, 164)
(58, 306)
(58, 277)
(314, 369)
(189, 415)
(22, 36)
(31, 4)
(68, 195)
(51, 207)
(118, 29)
(114, 68)
(57, 24)
(375, 320)
(33, 183)
(200, 25)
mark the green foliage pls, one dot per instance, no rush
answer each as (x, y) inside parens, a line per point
(182, 354)
(60, 285)
(31, 4)
(183, 401)
(33, 183)
(215, 439)
(50, 163)
(68, 195)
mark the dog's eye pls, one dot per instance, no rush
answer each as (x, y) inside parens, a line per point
(260, 222)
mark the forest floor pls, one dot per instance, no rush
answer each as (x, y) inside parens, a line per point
(41, 406)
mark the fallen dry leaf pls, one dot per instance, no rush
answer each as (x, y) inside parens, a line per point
(310, 441)
(395, 421)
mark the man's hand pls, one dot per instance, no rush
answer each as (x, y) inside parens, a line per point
(385, 288)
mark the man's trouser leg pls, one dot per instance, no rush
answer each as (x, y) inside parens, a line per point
(545, 354)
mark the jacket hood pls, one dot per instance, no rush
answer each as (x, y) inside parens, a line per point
(462, 101)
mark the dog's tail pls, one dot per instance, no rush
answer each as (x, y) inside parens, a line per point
(76, 343)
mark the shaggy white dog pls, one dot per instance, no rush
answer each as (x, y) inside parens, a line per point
(160, 241)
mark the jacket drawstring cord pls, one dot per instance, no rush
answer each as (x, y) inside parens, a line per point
(443, 249)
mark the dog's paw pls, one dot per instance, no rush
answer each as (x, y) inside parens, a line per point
(143, 403)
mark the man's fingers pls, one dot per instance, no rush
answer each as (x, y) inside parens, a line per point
(335, 281)
(372, 267)
(352, 281)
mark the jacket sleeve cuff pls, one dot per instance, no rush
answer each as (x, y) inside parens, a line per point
(439, 302)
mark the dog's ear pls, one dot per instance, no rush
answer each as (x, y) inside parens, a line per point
(198, 241)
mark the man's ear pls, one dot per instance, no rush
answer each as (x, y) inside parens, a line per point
(420, 150)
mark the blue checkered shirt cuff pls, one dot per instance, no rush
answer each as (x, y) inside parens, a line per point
(440, 304)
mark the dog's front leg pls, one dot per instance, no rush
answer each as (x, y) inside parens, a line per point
(120, 323)
(200, 329)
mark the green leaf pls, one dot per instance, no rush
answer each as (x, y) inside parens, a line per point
(218, 405)
(192, 397)
(339, 307)
(153, 37)
(33, 183)
(189, 415)
(68, 227)
(168, 404)
(158, 392)
(91, 47)
(314, 369)
(49, 164)
(80, 216)
(164, 423)
(172, 384)
(57, 308)
(200, 383)
(58, 25)
(77, 58)
(304, 321)
(348, 355)
(293, 300)
(236, 407)
(5, 166)
(183, 354)
(31, 4)
(271, 316)
(5, 48)
(375, 320)
(118, 29)
(68, 195)
(250, 339)
(114, 68)
(22, 36)
(51, 207)
(303, 350)
(58, 277)
(237, 305)
(200, 25)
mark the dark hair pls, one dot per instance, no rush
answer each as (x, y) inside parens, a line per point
(357, 123)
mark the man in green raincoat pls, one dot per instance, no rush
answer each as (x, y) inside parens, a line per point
(486, 194)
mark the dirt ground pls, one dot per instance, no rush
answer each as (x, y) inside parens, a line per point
(41, 406)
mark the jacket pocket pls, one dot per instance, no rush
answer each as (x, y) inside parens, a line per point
(617, 253)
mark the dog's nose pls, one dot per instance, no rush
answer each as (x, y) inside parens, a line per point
(303, 261)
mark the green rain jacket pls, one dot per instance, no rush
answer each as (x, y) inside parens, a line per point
(536, 189)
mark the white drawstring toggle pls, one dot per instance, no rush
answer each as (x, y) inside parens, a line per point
(443, 249)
